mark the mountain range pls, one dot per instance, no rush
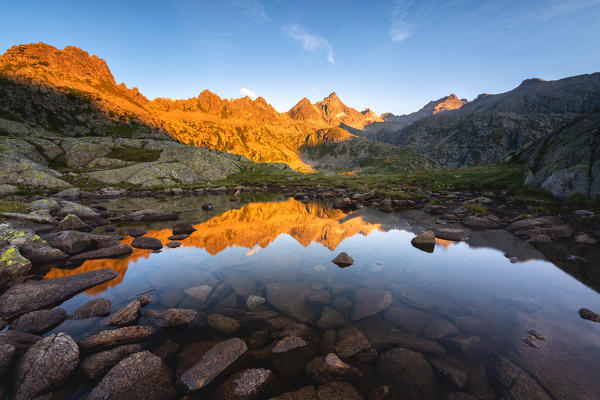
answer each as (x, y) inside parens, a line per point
(73, 94)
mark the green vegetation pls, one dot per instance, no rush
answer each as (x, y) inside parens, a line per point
(134, 155)
(493, 180)
(14, 206)
(478, 208)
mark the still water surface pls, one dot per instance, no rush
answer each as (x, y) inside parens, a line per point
(469, 304)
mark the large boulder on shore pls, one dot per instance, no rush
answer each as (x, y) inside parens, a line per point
(13, 263)
(46, 364)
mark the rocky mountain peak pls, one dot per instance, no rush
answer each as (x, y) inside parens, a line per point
(447, 103)
(39, 60)
(305, 111)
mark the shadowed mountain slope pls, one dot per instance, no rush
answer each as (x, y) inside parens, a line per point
(498, 127)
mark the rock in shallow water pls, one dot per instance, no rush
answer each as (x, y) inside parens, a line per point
(139, 376)
(589, 315)
(343, 260)
(39, 321)
(517, 383)
(291, 299)
(289, 357)
(425, 238)
(223, 323)
(454, 234)
(70, 242)
(221, 359)
(98, 364)
(93, 308)
(109, 338)
(255, 383)
(408, 373)
(33, 295)
(425, 241)
(254, 302)
(369, 302)
(304, 393)
(46, 364)
(21, 341)
(7, 353)
(330, 367)
(151, 216)
(172, 316)
(330, 318)
(351, 341)
(117, 251)
(126, 315)
(338, 391)
(146, 242)
(181, 228)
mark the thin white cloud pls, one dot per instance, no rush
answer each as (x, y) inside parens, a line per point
(400, 28)
(248, 92)
(253, 9)
(309, 41)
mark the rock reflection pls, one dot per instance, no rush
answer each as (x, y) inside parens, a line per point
(253, 226)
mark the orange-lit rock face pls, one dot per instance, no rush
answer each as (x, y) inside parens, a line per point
(449, 103)
(251, 128)
(257, 224)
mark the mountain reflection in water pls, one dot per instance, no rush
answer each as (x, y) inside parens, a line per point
(469, 303)
(256, 224)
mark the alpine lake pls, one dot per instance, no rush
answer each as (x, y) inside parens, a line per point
(488, 317)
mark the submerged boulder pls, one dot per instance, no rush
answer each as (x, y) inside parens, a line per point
(408, 373)
(139, 376)
(218, 361)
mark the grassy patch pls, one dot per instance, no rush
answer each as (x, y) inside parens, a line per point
(502, 180)
(14, 206)
(478, 208)
(134, 155)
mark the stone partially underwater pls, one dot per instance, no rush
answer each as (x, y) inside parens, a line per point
(250, 306)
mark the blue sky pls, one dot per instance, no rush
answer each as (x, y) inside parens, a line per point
(392, 56)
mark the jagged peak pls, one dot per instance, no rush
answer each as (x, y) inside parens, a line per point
(303, 102)
(208, 93)
(70, 62)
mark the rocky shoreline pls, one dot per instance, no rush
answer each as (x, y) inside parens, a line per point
(276, 345)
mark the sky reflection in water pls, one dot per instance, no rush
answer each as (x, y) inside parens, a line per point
(294, 242)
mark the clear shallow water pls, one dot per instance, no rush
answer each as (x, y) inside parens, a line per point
(493, 289)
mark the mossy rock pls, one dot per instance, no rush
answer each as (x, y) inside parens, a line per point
(13, 263)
